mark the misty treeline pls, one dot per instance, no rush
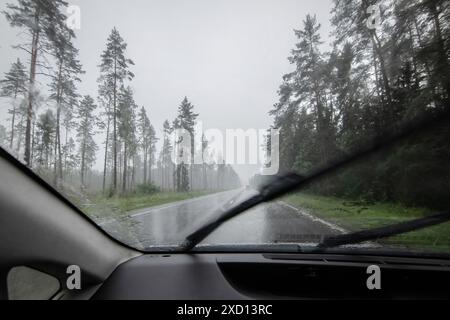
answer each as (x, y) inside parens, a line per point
(54, 130)
(372, 77)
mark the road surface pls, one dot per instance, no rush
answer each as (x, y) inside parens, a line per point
(275, 222)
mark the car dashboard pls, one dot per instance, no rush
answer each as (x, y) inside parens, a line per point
(209, 276)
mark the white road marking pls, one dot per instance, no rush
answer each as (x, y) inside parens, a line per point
(314, 218)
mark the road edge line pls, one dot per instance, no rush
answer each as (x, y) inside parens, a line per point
(314, 218)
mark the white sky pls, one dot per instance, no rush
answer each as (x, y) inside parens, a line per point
(227, 56)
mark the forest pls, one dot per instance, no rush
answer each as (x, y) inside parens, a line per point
(52, 129)
(379, 73)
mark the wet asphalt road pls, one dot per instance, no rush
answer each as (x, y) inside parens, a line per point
(274, 222)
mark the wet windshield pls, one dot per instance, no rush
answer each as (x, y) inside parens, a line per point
(156, 117)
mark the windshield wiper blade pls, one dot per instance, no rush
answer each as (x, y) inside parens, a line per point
(278, 186)
(384, 232)
(284, 184)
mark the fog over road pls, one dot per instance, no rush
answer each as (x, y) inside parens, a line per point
(275, 222)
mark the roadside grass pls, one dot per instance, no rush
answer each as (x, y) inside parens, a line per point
(101, 207)
(357, 215)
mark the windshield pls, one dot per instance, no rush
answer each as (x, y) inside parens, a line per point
(154, 117)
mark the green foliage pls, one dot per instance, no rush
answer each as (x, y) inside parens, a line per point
(146, 189)
(15, 81)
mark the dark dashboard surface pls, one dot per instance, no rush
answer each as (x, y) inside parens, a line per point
(274, 276)
(173, 277)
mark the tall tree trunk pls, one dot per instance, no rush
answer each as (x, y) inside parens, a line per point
(162, 176)
(67, 151)
(32, 142)
(34, 54)
(20, 133)
(11, 142)
(83, 156)
(124, 178)
(60, 166)
(150, 168)
(205, 186)
(105, 161)
(58, 157)
(114, 188)
(145, 165)
(133, 174)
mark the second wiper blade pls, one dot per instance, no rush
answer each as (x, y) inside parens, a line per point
(384, 232)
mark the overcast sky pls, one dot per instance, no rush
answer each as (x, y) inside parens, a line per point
(226, 56)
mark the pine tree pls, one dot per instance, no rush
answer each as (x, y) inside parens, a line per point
(70, 157)
(186, 120)
(204, 150)
(42, 21)
(63, 90)
(19, 130)
(126, 128)
(147, 143)
(152, 139)
(347, 96)
(305, 99)
(14, 84)
(114, 69)
(144, 124)
(105, 99)
(85, 133)
(166, 156)
(45, 126)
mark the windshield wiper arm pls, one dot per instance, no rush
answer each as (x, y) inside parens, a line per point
(384, 232)
(283, 184)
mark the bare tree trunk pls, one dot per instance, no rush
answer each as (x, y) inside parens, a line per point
(162, 177)
(124, 177)
(106, 152)
(145, 165)
(11, 143)
(133, 174)
(19, 140)
(67, 151)
(114, 184)
(150, 168)
(83, 156)
(32, 142)
(34, 54)
(58, 155)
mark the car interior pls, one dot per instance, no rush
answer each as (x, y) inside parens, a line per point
(220, 151)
